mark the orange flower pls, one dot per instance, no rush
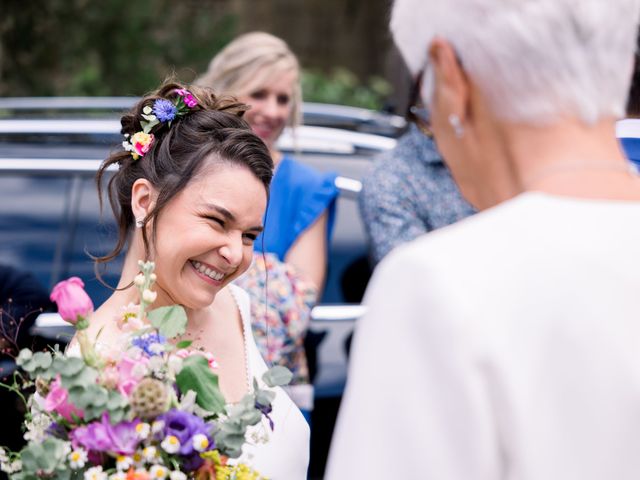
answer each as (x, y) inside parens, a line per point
(137, 475)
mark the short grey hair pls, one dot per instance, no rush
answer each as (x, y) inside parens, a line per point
(535, 60)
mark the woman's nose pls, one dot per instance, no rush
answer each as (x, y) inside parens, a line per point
(271, 106)
(232, 250)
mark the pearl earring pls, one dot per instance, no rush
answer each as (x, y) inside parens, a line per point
(139, 223)
(455, 122)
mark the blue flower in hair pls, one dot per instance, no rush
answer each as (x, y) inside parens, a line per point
(164, 110)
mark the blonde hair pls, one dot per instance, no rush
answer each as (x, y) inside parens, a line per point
(251, 61)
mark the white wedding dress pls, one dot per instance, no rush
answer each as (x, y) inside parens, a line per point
(286, 455)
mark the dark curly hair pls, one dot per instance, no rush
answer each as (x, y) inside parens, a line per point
(211, 132)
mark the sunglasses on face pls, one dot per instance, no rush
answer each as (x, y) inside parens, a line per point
(417, 112)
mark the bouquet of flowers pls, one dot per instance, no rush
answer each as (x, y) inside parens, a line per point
(151, 408)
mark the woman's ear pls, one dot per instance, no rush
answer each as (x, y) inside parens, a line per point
(143, 198)
(450, 78)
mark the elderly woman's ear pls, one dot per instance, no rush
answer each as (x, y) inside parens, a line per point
(450, 80)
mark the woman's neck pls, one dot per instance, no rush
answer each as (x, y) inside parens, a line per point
(276, 156)
(566, 158)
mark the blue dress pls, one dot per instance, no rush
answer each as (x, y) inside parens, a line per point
(299, 196)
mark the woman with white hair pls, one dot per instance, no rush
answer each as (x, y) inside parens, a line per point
(507, 346)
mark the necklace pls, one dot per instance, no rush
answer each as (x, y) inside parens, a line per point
(565, 167)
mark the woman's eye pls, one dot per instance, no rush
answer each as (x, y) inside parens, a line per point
(250, 236)
(283, 99)
(258, 95)
(217, 220)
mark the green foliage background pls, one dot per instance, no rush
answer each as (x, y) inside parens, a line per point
(124, 47)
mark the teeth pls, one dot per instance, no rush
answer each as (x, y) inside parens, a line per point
(207, 271)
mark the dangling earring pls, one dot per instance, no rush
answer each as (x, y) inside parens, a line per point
(455, 122)
(139, 223)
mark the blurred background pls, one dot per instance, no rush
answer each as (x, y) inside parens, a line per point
(118, 47)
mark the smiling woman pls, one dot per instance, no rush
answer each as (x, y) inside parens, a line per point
(190, 194)
(263, 72)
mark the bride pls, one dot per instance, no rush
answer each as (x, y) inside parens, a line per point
(190, 194)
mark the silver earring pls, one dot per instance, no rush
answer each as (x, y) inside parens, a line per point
(456, 124)
(139, 223)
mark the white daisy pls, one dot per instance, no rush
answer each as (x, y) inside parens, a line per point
(123, 462)
(142, 430)
(95, 473)
(158, 471)
(77, 458)
(150, 454)
(171, 444)
(200, 442)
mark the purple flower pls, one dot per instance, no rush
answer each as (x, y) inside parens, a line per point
(164, 110)
(184, 426)
(150, 343)
(103, 437)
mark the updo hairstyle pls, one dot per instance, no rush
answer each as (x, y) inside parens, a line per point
(212, 132)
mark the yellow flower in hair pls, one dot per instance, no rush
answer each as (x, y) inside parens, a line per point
(141, 143)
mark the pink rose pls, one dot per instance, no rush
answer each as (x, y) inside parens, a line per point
(57, 401)
(73, 302)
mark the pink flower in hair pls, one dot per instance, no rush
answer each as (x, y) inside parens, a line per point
(188, 98)
(142, 142)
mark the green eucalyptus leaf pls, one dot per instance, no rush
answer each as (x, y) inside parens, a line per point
(229, 444)
(43, 360)
(277, 376)
(170, 321)
(116, 401)
(265, 397)
(24, 356)
(68, 366)
(43, 457)
(197, 376)
(147, 126)
(85, 378)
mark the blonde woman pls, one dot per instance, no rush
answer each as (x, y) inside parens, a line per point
(261, 71)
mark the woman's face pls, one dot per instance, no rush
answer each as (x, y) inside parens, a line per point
(205, 235)
(271, 106)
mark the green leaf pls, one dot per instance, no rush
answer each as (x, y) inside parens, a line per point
(265, 397)
(184, 344)
(277, 376)
(85, 378)
(170, 321)
(229, 444)
(68, 366)
(197, 376)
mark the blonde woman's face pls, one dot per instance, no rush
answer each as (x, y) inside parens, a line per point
(271, 107)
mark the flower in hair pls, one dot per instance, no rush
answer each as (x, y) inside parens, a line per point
(164, 110)
(188, 98)
(139, 144)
